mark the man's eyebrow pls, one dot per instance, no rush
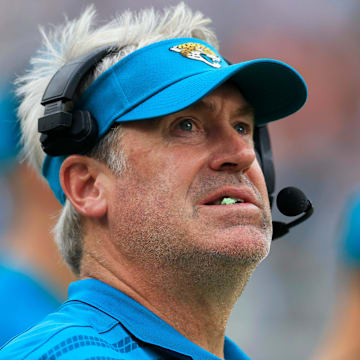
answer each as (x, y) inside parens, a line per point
(242, 110)
(245, 110)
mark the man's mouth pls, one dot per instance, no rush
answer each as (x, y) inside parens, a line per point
(231, 195)
(226, 200)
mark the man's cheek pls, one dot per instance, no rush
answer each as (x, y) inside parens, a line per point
(257, 177)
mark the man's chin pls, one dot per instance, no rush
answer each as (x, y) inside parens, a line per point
(242, 244)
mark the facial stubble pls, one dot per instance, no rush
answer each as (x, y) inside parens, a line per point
(153, 233)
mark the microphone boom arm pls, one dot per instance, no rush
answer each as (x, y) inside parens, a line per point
(301, 218)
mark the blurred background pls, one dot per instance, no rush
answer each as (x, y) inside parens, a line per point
(288, 303)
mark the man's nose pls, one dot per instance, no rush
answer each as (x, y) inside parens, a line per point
(232, 151)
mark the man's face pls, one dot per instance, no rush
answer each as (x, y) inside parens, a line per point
(167, 206)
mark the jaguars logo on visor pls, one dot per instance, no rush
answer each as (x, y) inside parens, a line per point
(198, 52)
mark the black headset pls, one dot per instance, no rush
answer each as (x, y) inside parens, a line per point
(64, 132)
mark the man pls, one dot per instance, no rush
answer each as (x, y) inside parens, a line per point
(166, 214)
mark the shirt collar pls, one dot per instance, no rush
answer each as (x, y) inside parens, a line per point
(141, 322)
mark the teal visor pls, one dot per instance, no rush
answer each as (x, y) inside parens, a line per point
(169, 76)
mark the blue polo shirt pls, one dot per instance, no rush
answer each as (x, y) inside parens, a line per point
(99, 322)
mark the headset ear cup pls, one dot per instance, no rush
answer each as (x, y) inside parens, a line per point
(77, 138)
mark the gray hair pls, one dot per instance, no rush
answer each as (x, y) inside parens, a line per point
(129, 32)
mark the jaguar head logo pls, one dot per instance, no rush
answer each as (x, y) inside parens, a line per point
(198, 52)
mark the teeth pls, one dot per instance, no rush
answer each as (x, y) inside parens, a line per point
(229, 201)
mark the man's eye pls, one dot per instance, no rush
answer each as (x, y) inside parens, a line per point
(242, 128)
(186, 125)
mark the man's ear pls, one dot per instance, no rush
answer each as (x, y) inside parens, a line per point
(84, 181)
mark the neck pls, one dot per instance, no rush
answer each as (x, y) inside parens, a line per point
(196, 301)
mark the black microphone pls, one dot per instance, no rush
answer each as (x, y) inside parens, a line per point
(291, 201)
